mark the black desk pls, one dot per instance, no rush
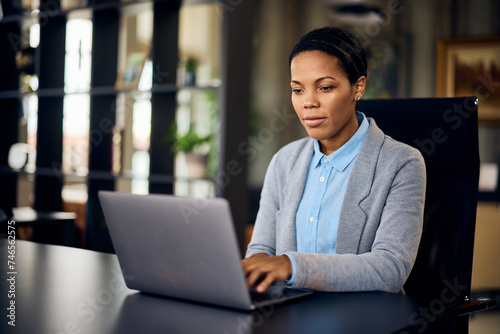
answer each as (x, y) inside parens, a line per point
(68, 290)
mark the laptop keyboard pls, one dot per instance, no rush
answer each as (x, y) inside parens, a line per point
(276, 294)
(270, 294)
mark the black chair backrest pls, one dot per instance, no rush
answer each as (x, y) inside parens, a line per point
(445, 131)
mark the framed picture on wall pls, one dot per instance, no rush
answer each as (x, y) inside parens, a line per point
(471, 67)
(385, 68)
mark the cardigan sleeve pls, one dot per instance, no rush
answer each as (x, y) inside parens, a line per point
(387, 266)
(264, 233)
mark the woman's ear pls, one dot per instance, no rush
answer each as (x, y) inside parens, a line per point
(359, 87)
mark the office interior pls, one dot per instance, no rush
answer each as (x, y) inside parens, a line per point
(192, 98)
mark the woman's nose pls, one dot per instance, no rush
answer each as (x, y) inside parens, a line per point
(310, 101)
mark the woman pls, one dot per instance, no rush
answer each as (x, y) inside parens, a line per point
(341, 210)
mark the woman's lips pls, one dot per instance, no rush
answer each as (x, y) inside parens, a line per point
(313, 121)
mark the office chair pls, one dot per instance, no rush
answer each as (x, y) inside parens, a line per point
(445, 130)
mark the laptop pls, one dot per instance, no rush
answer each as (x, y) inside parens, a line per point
(184, 248)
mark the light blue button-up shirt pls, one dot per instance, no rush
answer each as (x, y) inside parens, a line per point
(317, 216)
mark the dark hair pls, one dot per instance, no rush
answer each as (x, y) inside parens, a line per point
(338, 43)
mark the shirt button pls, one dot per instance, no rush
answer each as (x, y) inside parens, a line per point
(311, 219)
(322, 179)
(325, 159)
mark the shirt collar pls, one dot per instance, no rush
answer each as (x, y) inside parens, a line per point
(342, 157)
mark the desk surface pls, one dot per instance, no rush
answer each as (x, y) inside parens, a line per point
(68, 290)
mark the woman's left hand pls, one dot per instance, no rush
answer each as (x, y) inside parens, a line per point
(267, 269)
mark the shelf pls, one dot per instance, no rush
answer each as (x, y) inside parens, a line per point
(59, 92)
(9, 94)
(102, 91)
(37, 14)
(135, 6)
(199, 88)
(168, 88)
(99, 175)
(110, 90)
(50, 92)
(132, 5)
(15, 18)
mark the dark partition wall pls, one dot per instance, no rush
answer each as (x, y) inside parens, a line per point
(10, 110)
(163, 101)
(50, 70)
(231, 179)
(105, 37)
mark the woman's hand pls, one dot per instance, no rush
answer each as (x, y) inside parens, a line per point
(262, 270)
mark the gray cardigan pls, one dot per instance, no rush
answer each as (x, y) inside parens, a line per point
(380, 221)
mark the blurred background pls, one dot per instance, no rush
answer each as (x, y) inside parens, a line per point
(192, 98)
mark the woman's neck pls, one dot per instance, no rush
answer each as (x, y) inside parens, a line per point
(329, 145)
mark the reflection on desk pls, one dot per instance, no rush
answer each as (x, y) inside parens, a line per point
(68, 290)
(141, 312)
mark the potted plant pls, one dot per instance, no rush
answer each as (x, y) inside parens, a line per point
(188, 69)
(194, 148)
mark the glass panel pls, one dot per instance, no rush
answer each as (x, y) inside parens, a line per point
(35, 35)
(27, 134)
(133, 119)
(136, 32)
(199, 45)
(30, 105)
(140, 170)
(141, 132)
(76, 133)
(78, 55)
(142, 124)
(25, 57)
(76, 114)
(196, 116)
(146, 80)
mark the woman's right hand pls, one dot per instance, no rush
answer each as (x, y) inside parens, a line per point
(262, 270)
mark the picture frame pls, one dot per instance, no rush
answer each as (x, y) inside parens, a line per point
(471, 67)
(129, 77)
(385, 58)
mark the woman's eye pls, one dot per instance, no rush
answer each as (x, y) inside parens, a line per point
(296, 90)
(326, 88)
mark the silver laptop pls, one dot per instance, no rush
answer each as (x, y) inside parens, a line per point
(183, 248)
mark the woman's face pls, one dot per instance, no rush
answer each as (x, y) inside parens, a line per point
(324, 99)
